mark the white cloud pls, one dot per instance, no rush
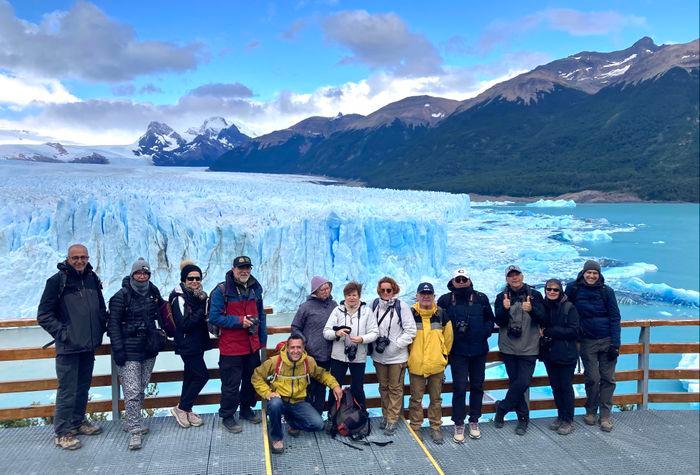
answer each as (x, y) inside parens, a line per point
(22, 91)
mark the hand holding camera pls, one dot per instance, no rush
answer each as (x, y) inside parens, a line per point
(342, 331)
(251, 323)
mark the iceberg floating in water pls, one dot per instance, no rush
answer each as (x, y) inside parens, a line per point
(663, 292)
(552, 204)
(690, 361)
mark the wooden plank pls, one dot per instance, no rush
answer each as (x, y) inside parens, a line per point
(674, 397)
(674, 374)
(659, 323)
(631, 349)
(22, 322)
(674, 348)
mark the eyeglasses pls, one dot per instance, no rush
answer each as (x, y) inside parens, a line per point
(386, 291)
(461, 280)
(79, 258)
(142, 272)
(193, 279)
(552, 289)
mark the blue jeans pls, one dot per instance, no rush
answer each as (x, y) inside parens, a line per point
(300, 415)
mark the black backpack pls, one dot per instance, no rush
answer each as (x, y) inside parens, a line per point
(348, 418)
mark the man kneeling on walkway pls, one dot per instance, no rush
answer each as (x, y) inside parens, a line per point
(283, 380)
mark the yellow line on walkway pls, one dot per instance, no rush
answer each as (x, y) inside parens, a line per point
(266, 442)
(425, 449)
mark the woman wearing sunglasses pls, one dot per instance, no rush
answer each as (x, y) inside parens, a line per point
(558, 350)
(189, 304)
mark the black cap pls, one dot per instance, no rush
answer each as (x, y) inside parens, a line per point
(425, 288)
(242, 261)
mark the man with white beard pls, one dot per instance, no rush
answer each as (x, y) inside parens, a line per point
(237, 309)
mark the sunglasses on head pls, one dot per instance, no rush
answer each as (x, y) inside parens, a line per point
(387, 291)
(553, 289)
(193, 279)
(461, 280)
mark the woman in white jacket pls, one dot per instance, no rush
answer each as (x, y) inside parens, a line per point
(397, 329)
(351, 326)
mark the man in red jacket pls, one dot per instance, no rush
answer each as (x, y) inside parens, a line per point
(237, 309)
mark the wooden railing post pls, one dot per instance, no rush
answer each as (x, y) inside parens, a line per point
(115, 390)
(643, 365)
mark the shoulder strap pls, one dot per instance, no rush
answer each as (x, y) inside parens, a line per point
(375, 303)
(62, 283)
(222, 287)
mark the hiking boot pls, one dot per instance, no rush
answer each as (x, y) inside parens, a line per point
(498, 419)
(144, 430)
(180, 417)
(382, 424)
(232, 425)
(555, 424)
(68, 442)
(458, 435)
(565, 429)
(390, 428)
(135, 441)
(436, 435)
(521, 428)
(251, 416)
(86, 428)
(606, 425)
(293, 432)
(474, 431)
(194, 419)
(590, 419)
(277, 447)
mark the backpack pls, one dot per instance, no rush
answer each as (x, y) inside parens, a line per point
(348, 418)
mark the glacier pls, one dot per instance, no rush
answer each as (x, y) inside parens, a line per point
(552, 204)
(293, 227)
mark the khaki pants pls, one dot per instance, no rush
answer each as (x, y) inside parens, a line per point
(419, 385)
(391, 378)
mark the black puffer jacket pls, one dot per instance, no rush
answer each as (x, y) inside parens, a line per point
(132, 317)
(561, 326)
(190, 314)
(472, 320)
(76, 318)
(597, 308)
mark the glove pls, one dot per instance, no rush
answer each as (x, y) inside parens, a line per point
(613, 353)
(119, 357)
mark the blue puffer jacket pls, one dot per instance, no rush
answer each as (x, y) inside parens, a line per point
(597, 308)
(470, 310)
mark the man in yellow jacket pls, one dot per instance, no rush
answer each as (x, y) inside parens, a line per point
(427, 359)
(282, 380)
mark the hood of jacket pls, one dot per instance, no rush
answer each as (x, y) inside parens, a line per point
(63, 266)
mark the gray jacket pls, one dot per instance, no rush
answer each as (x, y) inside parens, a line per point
(529, 342)
(309, 320)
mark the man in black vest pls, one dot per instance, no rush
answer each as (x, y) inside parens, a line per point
(72, 309)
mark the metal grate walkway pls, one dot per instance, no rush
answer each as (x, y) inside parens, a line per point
(647, 442)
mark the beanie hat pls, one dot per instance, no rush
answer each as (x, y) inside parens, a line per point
(186, 267)
(591, 265)
(317, 281)
(140, 264)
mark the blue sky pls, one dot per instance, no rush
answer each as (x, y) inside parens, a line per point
(98, 72)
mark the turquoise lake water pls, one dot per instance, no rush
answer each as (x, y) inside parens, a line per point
(666, 235)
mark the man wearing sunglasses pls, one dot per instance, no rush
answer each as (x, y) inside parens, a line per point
(237, 309)
(472, 324)
(72, 309)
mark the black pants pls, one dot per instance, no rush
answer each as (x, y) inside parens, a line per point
(472, 370)
(520, 370)
(316, 392)
(357, 380)
(236, 387)
(194, 378)
(74, 374)
(561, 379)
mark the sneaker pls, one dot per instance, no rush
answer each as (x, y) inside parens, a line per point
(521, 428)
(565, 429)
(251, 416)
(458, 435)
(382, 424)
(498, 420)
(144, 430)
(293, 432)
(180, 417)
(390, 428)
(555, 424)
(606, 425)
(68, 442)
(474, 431)
(194, 419)
(436, 435)
(277, 447)
(135, 441)
(590, 419)
(232, 425)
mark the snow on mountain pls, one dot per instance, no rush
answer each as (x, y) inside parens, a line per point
(291, 228)
(57, 152)
(159, 137)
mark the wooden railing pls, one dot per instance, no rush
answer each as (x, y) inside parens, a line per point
(642, 374)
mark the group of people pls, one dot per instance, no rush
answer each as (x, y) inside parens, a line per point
(327, 341)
